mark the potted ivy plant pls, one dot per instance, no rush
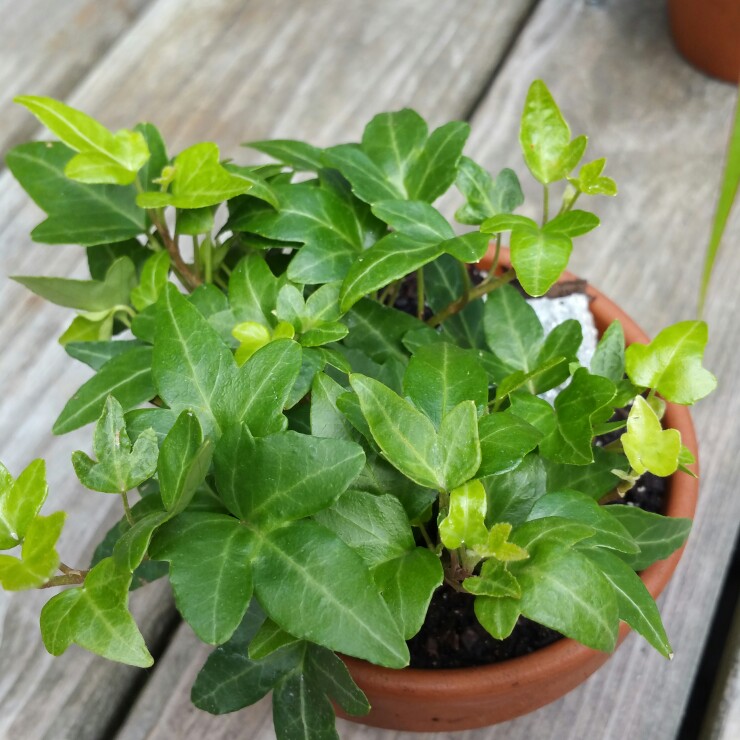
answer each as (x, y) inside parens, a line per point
(322, 414)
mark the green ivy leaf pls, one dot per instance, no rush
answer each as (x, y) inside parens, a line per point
(96, 617)
(210, 571)
(504, 441)
(20, 502)
(497, 545)
(585, 402)
(636, 605)
(608, 358)
(296, 154)
(96, 354)
(572, 223)
(465, 521)
(494, 580)
(511, 495)
(459, 447)
(253, 290)
(39, 559)
(497, 615)
(671, 363)
(552, 530)
(340, 609)
(127, 377)
(647, 445)
(545, 137)
(121, 466)
(269, 638)
(286, 476)
(158, 158)
(104, 157)
(77, 213)
(657, 536)
(199, 180)
(539, 258)
(486, 197)
(441, 376)
(153, 279)
(590, 180)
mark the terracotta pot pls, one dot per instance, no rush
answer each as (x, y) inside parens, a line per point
(707, 33)
(425, 700)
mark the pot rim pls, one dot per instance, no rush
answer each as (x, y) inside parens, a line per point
(565, 655)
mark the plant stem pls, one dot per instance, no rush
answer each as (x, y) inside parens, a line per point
(74, 579)
(489, 284)
(545, 204)
(567, 206)
(420, 294)
(465, 280)
(189, 279)
(426, 537)
(127, 508)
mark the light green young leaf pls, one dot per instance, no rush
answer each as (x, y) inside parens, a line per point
(77, 213)
(671, 363)
(20, 501)
(152, 282)
(545, 137)
(406, 436)
(199, 181)
(647, 445)
(590, 180)
(39, 559)
(96, 617)
(498, 615)
(636, 605)
(465, 521)
(86, 295)
(86, 329)
(340, 609)
(210, 571)
(121, 466)
(486, 197)
(657, 536)
(497, 545)
(407, 584)
(494, 580)
(127, 377)
(104, 157)
(539, 258)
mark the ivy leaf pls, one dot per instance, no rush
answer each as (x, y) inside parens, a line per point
(497, 615)
(330, 673)
(539, 258)
(86, 295)
(511, 495)
(77, 213)
(39, 559)
(268, 639)
(285, 476)
(441, 376)
(210, 571)
(573, 223)
(585, 402)
(545, 137)
(96, 354)
(580, 508)
(183, 462)
(120, 465)
(368, 180)
(486, 197)
(671, 363)
(296, 154)
(494, 580)
(459, 448)
(406, 436)
(657, 536)
(253, 290)
(465, 520)
(504, 441)
(513, 331)
(340, 609)
(326, 418)
(553, 530)
(636, 605)
(230, 680)
(647, 445)
(497, 545)
(153, 279)
(375, 527)
(20, 501)
(562, 589)
(590, 180)
(407, 584)
(104, 157)
(127, 377)
(199, 180)
(158, 158)
(608, 358)
(595, 480)
(96, 617)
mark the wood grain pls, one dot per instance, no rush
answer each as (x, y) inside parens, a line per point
(226, 70)
(47, 47)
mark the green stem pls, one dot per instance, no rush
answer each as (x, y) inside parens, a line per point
(426, 537)
(489, 284)
(127, 508)
(545, 204)
(188, 278)
(569, 205)
(66, 580)
(420, 294)
(465, 275)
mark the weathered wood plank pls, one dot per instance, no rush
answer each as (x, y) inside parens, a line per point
(229, 71)
(46, 48)
(663, 126)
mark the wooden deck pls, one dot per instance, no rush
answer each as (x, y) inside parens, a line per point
(234, 70)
